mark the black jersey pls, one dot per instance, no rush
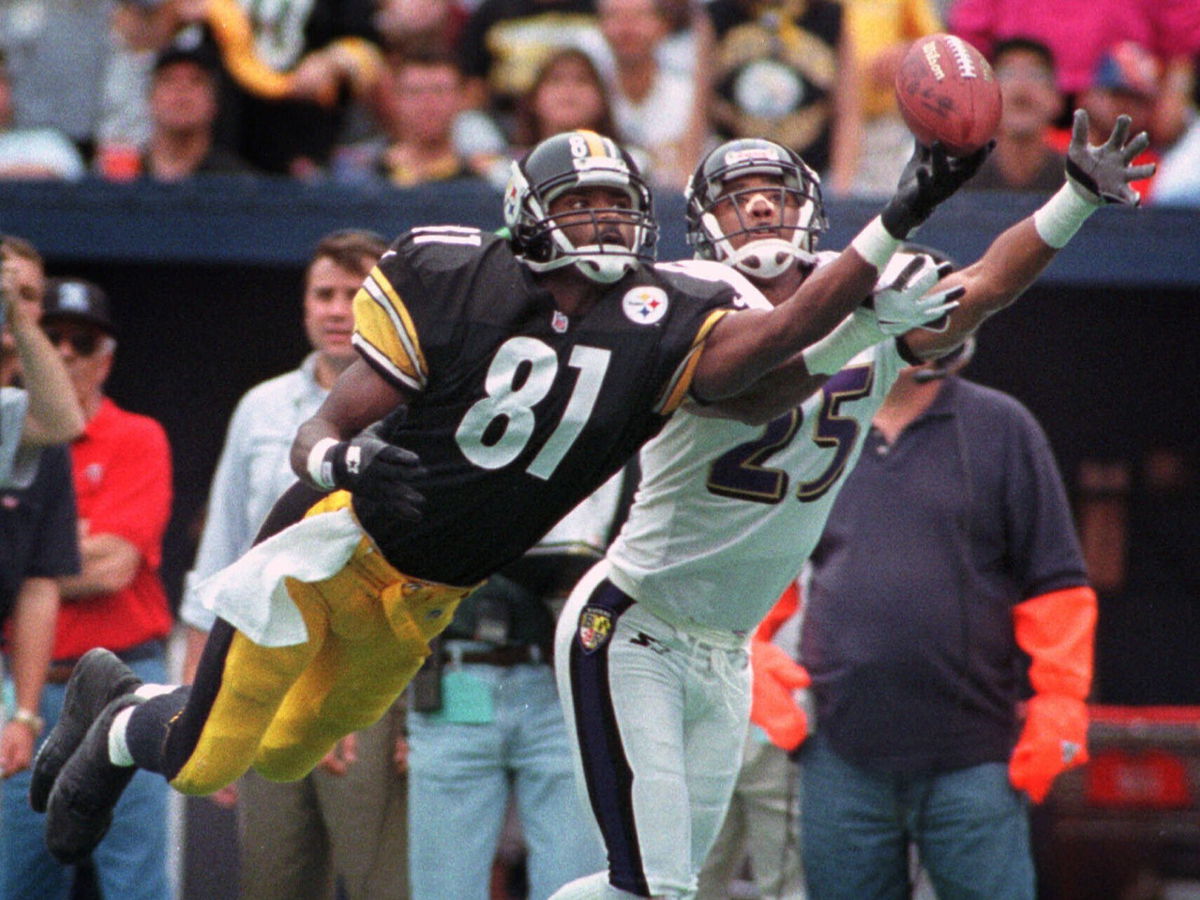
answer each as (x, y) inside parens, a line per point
(519, 411)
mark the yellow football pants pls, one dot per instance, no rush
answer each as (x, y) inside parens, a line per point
(281, 709)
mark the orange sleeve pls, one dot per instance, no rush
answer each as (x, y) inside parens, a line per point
(1058, 632)
(785, 607)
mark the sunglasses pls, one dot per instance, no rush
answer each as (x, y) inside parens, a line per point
(83, 342)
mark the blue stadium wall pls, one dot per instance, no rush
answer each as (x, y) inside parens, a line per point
(205, 280)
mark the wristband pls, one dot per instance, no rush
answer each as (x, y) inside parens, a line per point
(856, 333)
(30, 720)
(875, 244)
(1061, 216)
(320, 471)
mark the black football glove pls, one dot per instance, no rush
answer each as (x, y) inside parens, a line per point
(369, 466)
(1102, 174)
(930, 177)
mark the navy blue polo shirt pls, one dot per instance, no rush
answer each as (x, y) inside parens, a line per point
(908, 631)
(38, 536)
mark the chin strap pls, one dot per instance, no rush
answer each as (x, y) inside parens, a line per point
(768, 258)
(603, 266)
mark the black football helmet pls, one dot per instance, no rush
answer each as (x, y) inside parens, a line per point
(767, 256)
(563, 162)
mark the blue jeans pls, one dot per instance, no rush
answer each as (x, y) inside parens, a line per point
(970, 827)
(460, 775)
(131, 861)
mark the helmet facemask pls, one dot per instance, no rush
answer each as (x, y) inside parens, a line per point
(796, 187)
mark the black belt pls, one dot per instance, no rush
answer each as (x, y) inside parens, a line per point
(517, 655)
(59, 670)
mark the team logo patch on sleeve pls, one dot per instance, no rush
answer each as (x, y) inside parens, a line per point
(645, 305)
(595, 628)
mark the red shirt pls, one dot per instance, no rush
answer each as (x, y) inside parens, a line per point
(122, 468)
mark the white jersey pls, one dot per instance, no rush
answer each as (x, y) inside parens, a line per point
(726, 513)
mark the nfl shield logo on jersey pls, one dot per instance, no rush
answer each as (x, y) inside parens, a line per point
(645, 305)
(595, 626)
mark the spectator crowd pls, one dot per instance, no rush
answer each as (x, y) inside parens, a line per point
(411, 91)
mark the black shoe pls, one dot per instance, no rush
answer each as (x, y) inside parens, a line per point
(98, 678)
(86, 790)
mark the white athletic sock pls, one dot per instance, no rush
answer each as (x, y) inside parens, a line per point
(146, 691)
(118, 749)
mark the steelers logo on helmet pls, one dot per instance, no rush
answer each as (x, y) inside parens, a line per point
(761, 248)
(573, 161)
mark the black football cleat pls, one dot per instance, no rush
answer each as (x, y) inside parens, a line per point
(98, 678)
(80, 808)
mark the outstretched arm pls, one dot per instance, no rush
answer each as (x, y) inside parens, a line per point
(1096, 175)
(745, 346)
(902, 302)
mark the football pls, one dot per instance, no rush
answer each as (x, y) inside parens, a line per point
(947, 92)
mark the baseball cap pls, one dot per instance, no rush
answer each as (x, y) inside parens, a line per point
(73, 299)
(1128, 67)
(190, 45)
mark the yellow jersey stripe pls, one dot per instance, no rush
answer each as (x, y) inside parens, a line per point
(676, 390)
(408, 333)
(383, 363)
(383, 323)
(375, 329)
(384, 294)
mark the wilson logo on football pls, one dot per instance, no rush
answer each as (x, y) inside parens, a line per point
(595, 627)
(645, 305)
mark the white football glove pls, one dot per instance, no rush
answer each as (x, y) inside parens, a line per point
(905, 304)
(1101, 174)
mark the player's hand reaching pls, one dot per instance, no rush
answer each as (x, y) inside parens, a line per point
(905, 303)
(1101, 174)
(370, 466)
(930, 177)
